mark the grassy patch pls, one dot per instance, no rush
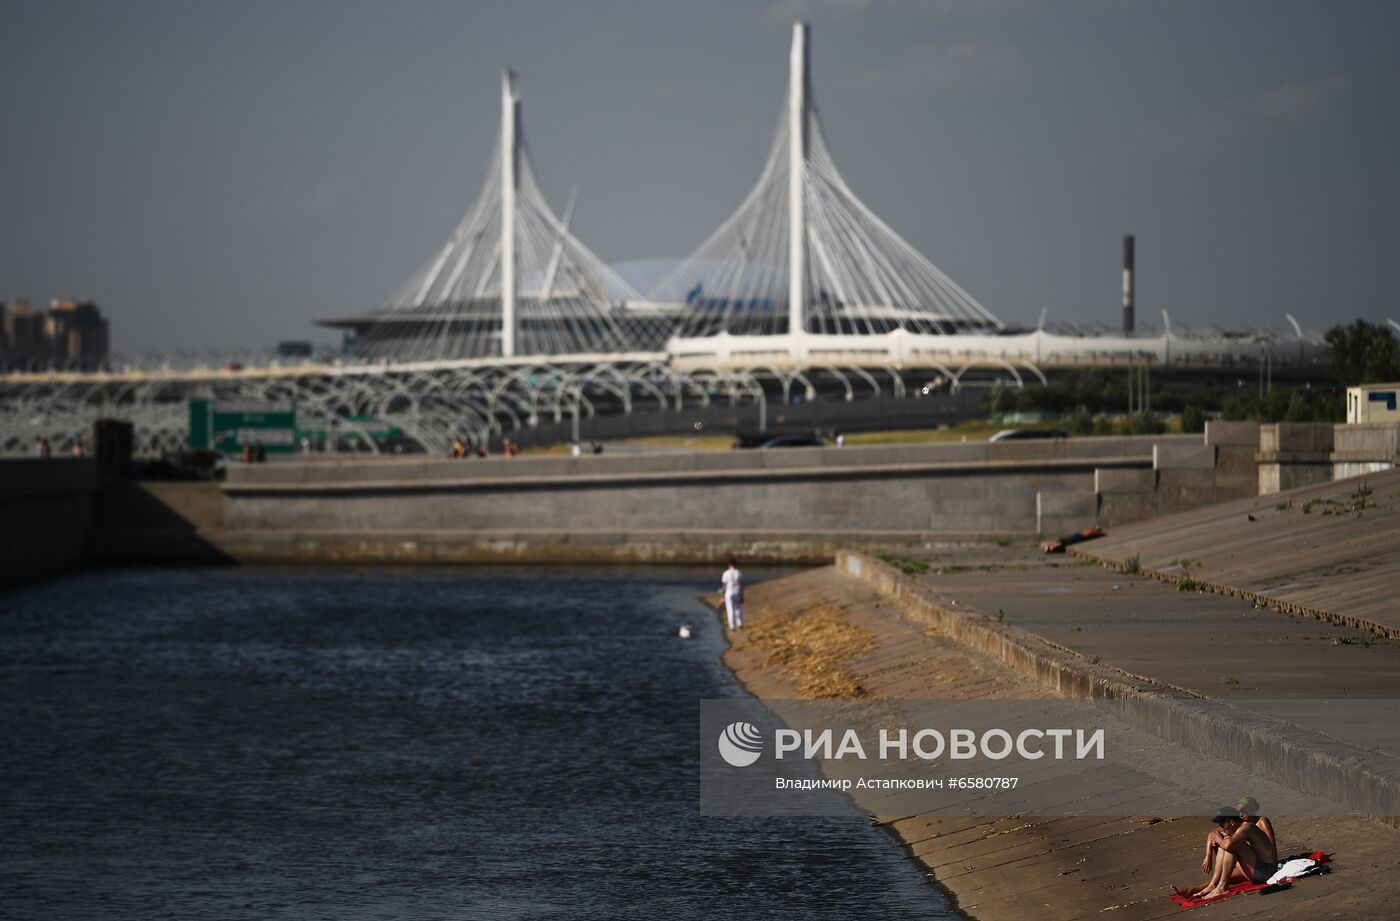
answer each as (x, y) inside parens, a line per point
(1133, 564)
(813, 649)
(905, 564)
(1188, 584)
(953, 569)
(1358, 501)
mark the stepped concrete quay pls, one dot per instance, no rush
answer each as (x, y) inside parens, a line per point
(985, 622)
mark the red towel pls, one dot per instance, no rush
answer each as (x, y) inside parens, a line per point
(1242, 888)
(1236, 889)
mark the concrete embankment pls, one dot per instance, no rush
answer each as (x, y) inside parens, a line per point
(433, 509)
(1329, 551)
(45, 513)
(782, 506)
(946, 488)
(930, 632)
(154, 522)
(789, 506)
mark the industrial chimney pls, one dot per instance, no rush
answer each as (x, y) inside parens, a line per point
(1128, 285)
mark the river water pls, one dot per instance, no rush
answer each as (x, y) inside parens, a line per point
(355, 743)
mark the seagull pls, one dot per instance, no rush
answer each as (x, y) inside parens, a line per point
(684, 631)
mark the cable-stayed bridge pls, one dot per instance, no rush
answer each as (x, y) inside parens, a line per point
(511, 281)
(803, 258)
(803, 291)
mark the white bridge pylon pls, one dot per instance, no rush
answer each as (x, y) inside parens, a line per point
(802, 257)
(511, 281)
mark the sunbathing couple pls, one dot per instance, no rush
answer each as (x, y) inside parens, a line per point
(1240, 849)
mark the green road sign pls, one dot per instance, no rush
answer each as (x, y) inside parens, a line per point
(225, 425)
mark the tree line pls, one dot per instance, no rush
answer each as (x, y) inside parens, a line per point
(1092, 402)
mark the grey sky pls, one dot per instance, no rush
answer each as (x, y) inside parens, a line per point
(220, 173)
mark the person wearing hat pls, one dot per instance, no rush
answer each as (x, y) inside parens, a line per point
(1239, 851)
(1248, 808)
(1249, 812)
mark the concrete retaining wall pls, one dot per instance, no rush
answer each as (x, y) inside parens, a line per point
(1297, 454)
(1294, 454)
(1186, 473)
(1045, 487)
(944, 488)
(158, 522)
(46, 509)
(1366, 448)
(905, 498)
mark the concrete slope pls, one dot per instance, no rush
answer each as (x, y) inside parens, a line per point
(1331, 551)
(1017, 867)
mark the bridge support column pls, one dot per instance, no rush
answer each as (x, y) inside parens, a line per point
(797, 175)
(510, 184)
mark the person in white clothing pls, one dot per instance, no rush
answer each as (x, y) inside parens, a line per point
(732, 586)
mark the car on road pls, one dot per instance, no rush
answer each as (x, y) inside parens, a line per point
(1028, 434)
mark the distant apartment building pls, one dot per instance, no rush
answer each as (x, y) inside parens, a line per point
(22, 333)
(69, 333)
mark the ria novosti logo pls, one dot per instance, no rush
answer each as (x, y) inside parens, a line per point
(740, 744)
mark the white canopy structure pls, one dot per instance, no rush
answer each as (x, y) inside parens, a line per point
(511, 282)
(803, 255)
